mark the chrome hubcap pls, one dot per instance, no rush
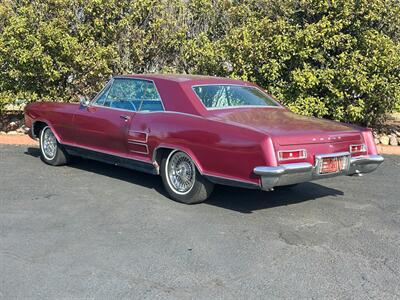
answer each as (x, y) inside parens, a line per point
(181, 172)
(49, 144)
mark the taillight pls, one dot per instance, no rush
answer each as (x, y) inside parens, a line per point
(292, 154)
(358, 148)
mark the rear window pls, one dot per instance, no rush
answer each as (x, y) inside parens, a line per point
(225, 96)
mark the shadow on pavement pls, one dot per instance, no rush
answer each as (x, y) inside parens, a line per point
(247, 201)
(237, 199)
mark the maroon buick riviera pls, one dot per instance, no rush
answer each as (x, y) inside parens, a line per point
(197, 131)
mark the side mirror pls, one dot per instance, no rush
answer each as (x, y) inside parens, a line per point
(84, 102)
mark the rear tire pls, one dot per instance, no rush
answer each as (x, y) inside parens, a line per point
(51, 151)
(182, 180)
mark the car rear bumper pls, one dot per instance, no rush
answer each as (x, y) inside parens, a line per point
(302, 172)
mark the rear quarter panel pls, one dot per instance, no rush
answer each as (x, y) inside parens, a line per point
(219, 149)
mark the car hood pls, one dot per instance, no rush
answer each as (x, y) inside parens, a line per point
(288, 128)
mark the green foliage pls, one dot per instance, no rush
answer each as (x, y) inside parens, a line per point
(338, 59)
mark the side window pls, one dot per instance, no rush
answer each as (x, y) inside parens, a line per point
(123, 94)
(151, 100)
(130, 94)
(99, 100)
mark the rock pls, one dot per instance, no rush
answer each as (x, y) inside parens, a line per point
(393, 141)
(12, 132)
(384, 139)
(397, 133)
(398, 140)
(12, 126)
(3, 132)
(23, 129)
(376, 141)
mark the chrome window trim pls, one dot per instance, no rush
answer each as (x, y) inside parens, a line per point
(237, 106)
(93, 102)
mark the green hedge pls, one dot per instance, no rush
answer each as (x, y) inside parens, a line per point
(338, 59)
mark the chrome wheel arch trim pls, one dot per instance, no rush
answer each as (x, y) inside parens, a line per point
(48, 124)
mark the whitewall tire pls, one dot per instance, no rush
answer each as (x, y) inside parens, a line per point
(51, 152)
(182, 180)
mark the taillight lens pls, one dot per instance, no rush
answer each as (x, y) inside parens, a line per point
(358, 148)
(292, 154)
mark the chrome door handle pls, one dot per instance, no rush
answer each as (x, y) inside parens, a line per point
(125, 118)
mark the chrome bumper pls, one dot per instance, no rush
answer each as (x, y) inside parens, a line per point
(302, 172)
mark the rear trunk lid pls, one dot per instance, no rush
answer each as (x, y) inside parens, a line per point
(293, 132)
(287, 128)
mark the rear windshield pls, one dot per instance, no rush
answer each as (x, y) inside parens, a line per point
(225, 96)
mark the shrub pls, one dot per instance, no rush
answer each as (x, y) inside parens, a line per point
(336, 59)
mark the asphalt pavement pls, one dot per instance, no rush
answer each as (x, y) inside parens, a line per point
(95, 231)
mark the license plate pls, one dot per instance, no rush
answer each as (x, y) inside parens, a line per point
(330, 165)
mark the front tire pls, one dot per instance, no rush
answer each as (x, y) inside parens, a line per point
(51, 151)
(182, 180)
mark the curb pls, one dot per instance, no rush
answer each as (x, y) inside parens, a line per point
(20, 139)
(391, 150)
(17, 139)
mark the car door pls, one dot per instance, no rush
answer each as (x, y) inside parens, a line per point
(140, 136)
(104, 125)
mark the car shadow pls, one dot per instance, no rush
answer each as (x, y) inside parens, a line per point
(247, 201)
(120, 173)
(237, 199)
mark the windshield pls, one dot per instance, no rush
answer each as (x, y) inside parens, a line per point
(225, 95)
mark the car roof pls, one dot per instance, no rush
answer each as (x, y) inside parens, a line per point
(184, 78)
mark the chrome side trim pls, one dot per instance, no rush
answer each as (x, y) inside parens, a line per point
(131, 163)
(108, 153)
(138, 141)
(231, 182)
(140, 144)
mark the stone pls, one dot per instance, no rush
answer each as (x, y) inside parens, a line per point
(376, 141)
(393, 141)
(12, 132)
(3, 132)
(21, 130)
(384, 139)
(12, 126)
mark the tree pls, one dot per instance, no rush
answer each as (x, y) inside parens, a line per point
(338, 59)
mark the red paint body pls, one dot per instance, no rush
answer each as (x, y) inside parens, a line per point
(226, 143)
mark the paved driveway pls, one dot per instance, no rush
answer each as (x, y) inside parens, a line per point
(91, 230)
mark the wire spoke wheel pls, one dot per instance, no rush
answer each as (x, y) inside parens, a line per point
(49, 144)
(181, 173)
